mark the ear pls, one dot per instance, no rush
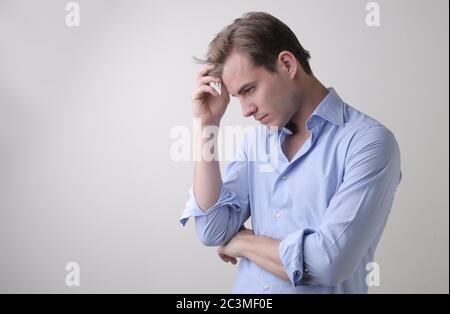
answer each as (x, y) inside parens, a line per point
(288, 63)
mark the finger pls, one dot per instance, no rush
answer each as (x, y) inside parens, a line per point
(200, 92)
(204, 70)
(206, 80)
(224, 257)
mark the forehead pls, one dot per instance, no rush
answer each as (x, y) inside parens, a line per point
(238, 70)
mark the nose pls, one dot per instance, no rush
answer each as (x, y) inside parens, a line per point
(248, 109)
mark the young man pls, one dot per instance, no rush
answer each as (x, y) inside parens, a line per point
(318, 216)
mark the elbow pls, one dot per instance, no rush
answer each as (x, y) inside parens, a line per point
(208, 235)
(333, 272)
(333, 276)
(210, 241)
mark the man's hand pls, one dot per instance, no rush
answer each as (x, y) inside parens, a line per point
(208, 105)
(234, 248)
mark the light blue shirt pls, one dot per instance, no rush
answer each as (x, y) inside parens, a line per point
(328, 206)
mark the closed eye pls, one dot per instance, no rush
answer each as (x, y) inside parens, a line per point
(251, 89)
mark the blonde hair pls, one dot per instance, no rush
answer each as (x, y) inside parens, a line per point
(261, 37)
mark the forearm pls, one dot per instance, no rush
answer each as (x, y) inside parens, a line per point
(207, 177)
(263, 251)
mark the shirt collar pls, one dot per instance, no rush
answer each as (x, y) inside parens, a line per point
(331, 108)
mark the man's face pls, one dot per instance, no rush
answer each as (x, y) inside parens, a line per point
(268, 97)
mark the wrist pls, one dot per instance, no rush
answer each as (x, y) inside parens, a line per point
(205, 124)
(246, 241)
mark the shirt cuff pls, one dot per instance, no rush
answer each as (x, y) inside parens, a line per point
(193, 210)
(291, 255)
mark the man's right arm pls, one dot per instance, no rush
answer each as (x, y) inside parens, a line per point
(208, 107)
(207, 177)
(220, 207)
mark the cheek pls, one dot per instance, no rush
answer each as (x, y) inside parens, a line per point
(257, 99)
(266, 100)
(271, 97)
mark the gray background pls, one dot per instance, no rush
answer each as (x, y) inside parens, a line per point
(86, 113)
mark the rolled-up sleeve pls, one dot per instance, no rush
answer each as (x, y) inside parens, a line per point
(355, 218)
(220, 222)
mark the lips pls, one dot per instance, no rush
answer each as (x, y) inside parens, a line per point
(262, 118)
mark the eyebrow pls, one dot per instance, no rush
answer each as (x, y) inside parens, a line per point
(244, 87)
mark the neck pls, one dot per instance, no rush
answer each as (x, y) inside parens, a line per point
(311, 93)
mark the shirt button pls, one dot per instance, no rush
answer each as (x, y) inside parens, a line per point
(306, 270)
(266, 287)
(277, 214)
(284, 178)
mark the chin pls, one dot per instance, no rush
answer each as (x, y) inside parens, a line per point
(275, 123)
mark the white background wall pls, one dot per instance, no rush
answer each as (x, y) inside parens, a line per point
(86, 113)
